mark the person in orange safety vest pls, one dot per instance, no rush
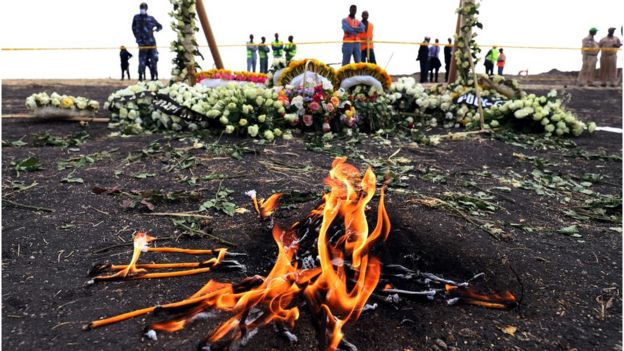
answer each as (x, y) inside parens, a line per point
(350, 40)
(366, 40)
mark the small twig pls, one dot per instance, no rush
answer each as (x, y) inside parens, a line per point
(223, 241)
(61, 324)
(30, 207)
(100, 211)
(179, 214)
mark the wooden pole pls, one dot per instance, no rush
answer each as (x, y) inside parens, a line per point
(212, 44)
(453, 69)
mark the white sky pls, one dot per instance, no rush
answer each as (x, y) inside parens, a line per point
(91, 23)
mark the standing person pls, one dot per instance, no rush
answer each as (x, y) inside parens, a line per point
(290, 49)
(143, 27)
(423, 57)
(589, 50)
(489, 67)
(448, 54)
(608, 58)
(350, 40)
(251, 54)
(366, 40)
(500, 61)
(263, 53)
(491, 58)
(277, 47)
(434, 61)
(124, 56)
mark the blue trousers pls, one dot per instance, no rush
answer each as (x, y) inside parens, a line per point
(264, 65)
(147, 57)
(349, 49)
(251, 64)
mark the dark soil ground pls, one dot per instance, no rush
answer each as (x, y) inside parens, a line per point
(570, 284)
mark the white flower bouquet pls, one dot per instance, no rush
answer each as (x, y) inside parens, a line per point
(45, 105)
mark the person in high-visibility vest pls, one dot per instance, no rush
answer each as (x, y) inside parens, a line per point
(251, 54)
(263, 53)
(492, 58)
(366, 40)
(290, 49)
(278, 47)
(350, 40)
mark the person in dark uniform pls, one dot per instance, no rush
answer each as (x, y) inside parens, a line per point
(448, 54)
(143, 27)
(423, 57)
(124, 56)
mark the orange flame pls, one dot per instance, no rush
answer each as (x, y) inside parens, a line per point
(264, 208)
(501, 300)
(337, 291)
(326, 288)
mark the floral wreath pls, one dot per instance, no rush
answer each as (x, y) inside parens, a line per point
(228, 75)
(296, 68)
(363, 73)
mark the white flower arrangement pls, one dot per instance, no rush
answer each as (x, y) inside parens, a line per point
(54, 104)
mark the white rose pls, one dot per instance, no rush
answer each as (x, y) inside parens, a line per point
(253, 130)
(31, 103)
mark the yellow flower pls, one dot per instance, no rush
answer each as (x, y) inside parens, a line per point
(67, 102)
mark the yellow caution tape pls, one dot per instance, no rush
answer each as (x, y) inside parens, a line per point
(319, 43)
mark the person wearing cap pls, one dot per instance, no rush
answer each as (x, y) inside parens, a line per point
(143, 27)
(609, 46)
(124, 56)
(423, 57)
(589, 49)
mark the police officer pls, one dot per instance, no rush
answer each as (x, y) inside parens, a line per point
(143, 27)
